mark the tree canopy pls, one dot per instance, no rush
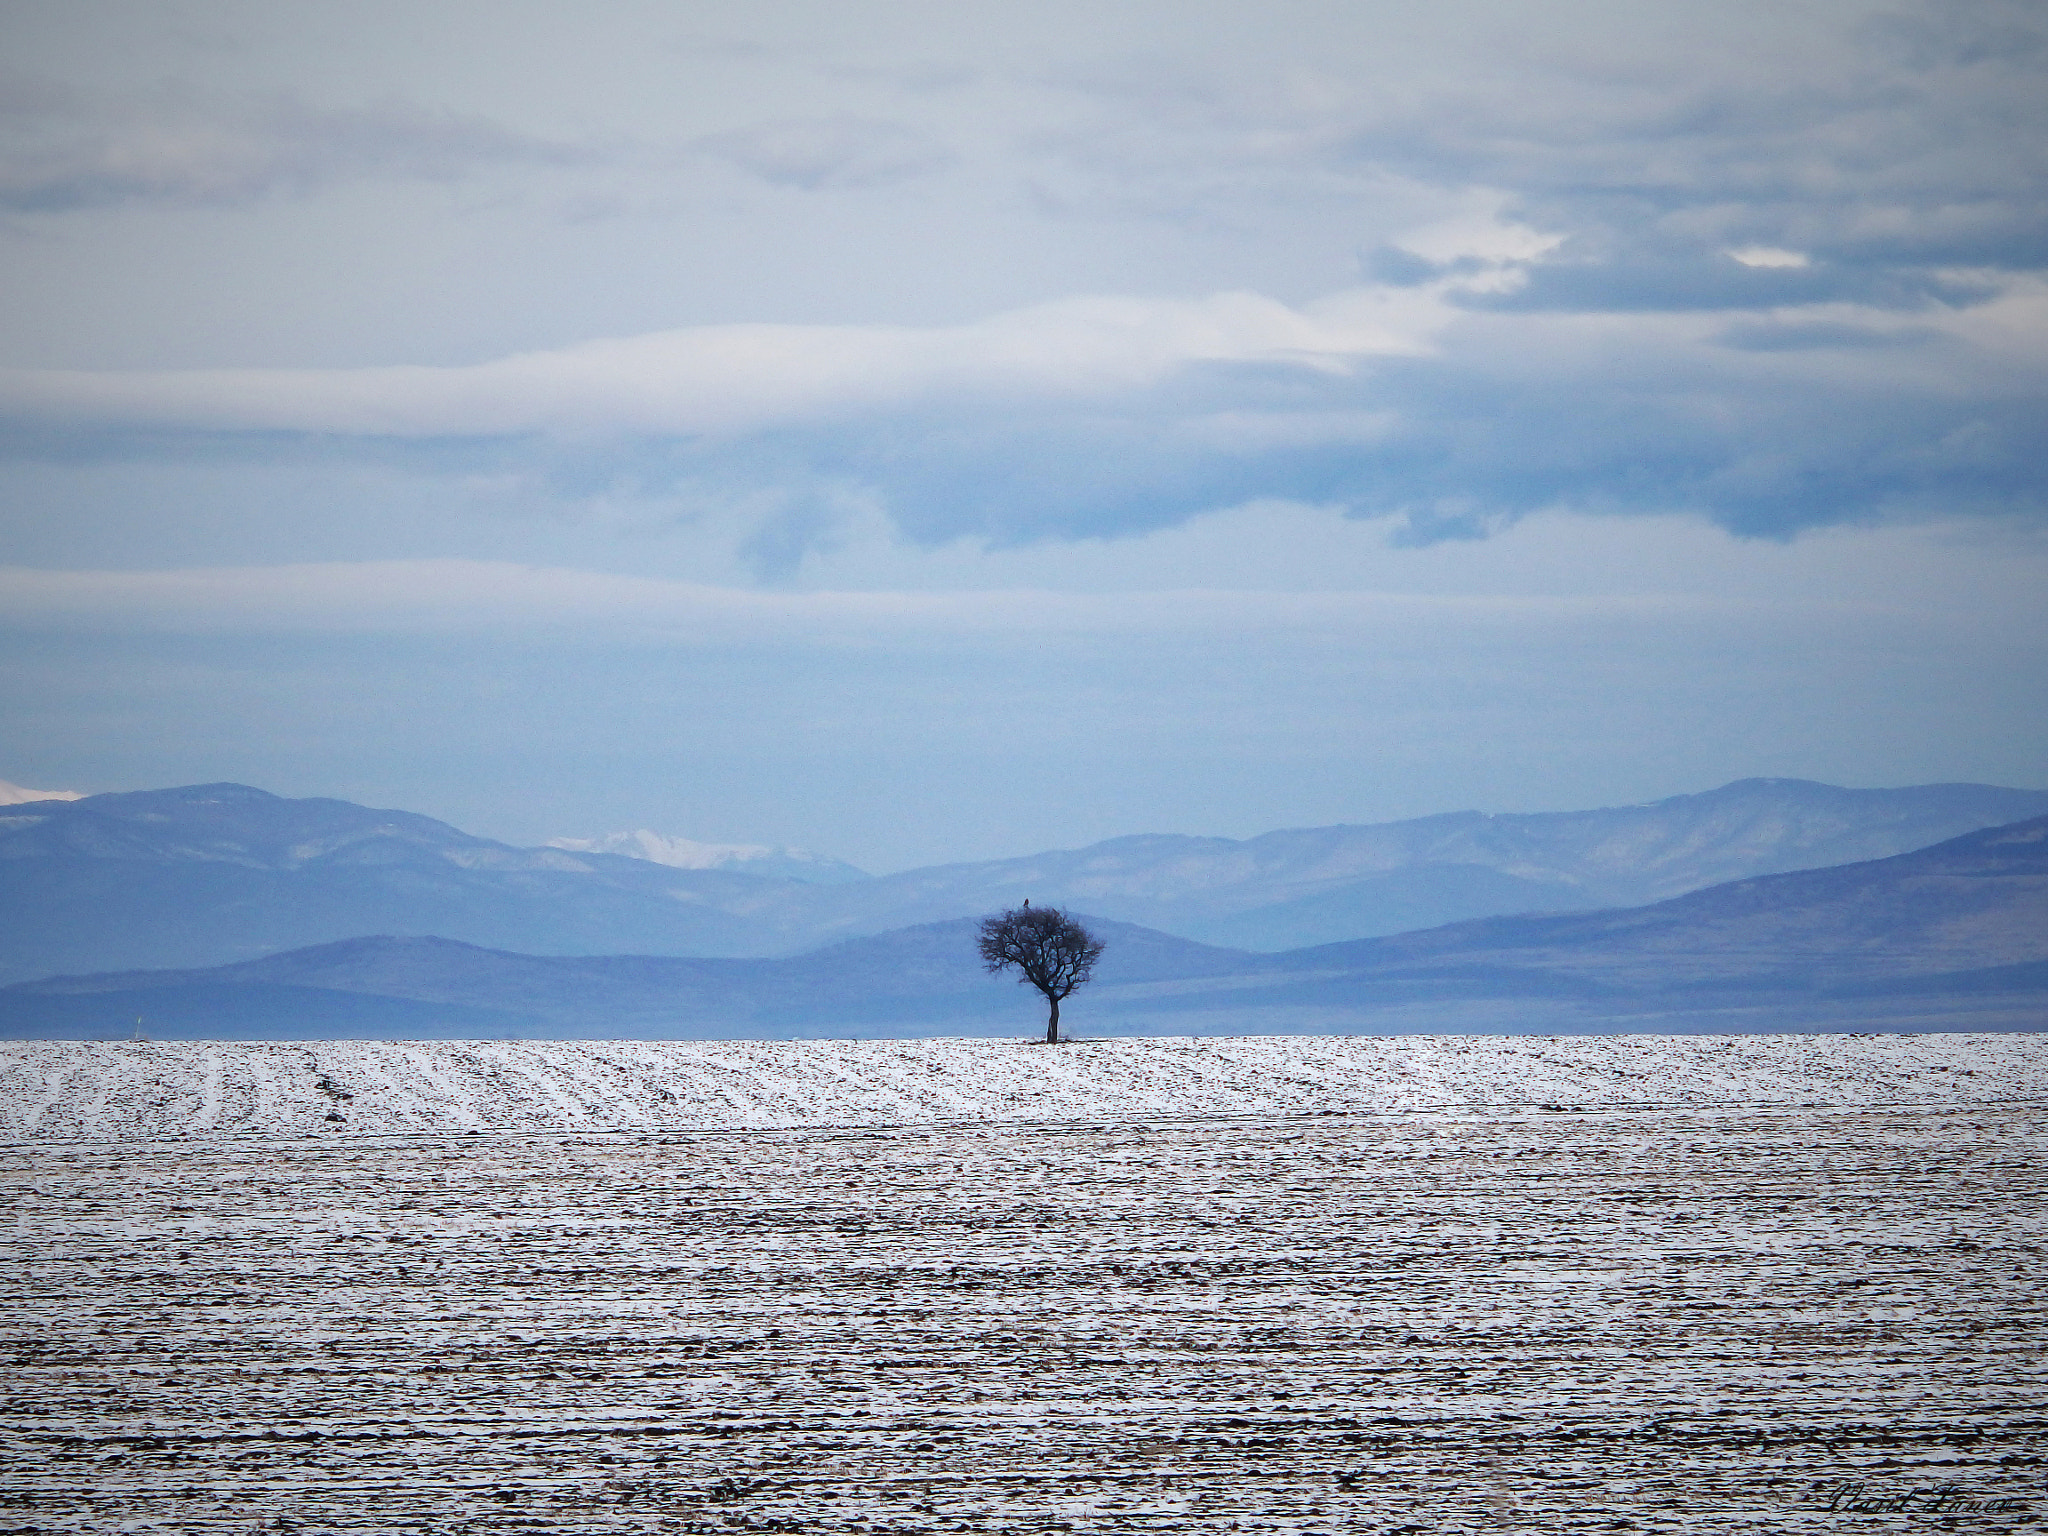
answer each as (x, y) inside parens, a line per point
(1049, 950)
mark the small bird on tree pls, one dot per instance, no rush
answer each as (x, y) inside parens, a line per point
(1052, 951)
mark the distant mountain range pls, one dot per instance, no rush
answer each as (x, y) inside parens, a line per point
(1952, 936)
(1285, 890)
(213, 874)
(219, 872)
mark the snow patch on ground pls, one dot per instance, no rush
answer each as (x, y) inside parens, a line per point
(101, 1091)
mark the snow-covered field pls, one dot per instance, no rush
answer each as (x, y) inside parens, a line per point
(1290, 1285)
(82, 1090)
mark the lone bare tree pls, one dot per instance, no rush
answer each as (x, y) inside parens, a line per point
(1053, 952)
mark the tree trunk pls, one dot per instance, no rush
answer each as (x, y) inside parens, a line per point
(1052, 1025)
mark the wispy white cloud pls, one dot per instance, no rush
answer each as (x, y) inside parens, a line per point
(1770, 256)
(737, 378)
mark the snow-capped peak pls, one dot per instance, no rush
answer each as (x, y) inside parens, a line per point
(744, 858)
(14, 794)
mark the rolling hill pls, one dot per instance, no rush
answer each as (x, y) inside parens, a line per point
(212, 874)
(1950, 936)
(220, 872)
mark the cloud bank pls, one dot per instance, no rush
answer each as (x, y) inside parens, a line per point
(1778, 267)
(1105, 417)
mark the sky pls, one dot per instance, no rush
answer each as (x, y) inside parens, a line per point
(935, 431)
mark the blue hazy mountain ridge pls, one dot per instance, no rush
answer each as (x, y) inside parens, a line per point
(1951, 936)
(211, 874)
(1290, 889)
(1954, 913)
(910, 976)
(217, 872)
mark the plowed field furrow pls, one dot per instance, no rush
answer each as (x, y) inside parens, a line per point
(1671, 1321)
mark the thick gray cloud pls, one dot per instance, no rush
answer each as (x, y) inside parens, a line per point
(1887, 146)
(1111, 419)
